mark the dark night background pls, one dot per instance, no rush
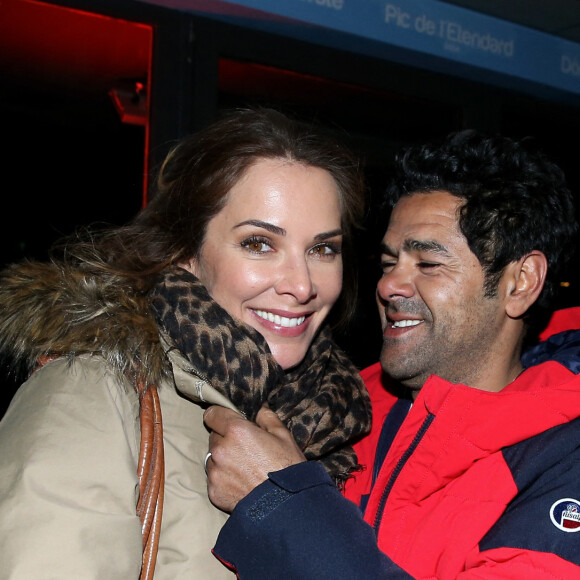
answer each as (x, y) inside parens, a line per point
(68, 160)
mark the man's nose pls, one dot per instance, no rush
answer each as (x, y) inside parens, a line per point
(398, 281)
(296, 279)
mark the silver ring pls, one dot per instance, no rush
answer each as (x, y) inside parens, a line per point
(205, 461)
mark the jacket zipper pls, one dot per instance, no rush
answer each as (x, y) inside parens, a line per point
(398, 468)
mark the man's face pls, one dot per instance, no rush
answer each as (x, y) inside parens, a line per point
(435, 317)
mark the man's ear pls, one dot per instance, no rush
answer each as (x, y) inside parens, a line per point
(524, 282)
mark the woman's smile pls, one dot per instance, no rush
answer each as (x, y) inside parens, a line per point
(280, 319)
(280, 324)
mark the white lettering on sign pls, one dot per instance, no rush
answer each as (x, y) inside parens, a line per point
(454, 35)
(570, 65)
(333, 4)
(393, 14)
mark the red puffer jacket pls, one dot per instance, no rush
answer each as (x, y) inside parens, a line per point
(477, 484)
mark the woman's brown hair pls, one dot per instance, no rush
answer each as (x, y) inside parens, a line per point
(193, 185)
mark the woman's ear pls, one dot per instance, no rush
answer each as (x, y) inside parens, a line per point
(189, 265)
(525, 281)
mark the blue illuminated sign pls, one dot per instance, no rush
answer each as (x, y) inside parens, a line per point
(423, 33)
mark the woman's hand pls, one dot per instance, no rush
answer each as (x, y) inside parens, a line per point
(243, 453)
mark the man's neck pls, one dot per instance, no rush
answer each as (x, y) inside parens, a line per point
(491, 380)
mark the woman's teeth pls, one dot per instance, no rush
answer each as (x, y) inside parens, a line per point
(280, 320)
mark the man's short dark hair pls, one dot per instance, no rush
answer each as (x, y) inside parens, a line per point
(515, 199)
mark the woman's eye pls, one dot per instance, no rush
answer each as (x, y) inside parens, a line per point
(325, 250)
(257, 245)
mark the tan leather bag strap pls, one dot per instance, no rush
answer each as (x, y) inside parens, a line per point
(151, 473)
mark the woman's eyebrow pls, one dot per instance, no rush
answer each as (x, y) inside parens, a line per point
(265, 225)
(282, 232)
(327, 235)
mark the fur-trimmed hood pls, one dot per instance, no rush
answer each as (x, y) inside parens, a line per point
(54, 309)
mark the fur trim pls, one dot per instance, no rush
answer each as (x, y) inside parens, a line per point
(53, 309)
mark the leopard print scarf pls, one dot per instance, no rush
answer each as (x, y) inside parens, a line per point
(322, 401)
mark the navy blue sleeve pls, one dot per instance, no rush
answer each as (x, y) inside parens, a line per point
(563, 348)
(298, 526)
(545, 514)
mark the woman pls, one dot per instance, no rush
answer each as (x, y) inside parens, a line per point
(216, 293)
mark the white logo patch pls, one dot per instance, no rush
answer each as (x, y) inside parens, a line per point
(565, 514)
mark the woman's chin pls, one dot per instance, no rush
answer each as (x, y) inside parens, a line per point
(288, 360)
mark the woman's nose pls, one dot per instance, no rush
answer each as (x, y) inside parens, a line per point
(296, 279)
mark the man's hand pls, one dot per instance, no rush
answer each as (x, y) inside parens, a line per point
(243, 453)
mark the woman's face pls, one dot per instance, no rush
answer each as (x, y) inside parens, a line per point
(272, 256)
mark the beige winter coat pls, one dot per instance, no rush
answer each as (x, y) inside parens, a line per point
(69, 446)
(68, 488)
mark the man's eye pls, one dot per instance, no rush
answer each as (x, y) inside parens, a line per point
(386, 266)
(257, 245)
(428, 265)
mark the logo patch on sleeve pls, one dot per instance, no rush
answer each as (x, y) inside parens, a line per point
(565, 514)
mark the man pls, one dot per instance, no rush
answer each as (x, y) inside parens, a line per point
(473, 470)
